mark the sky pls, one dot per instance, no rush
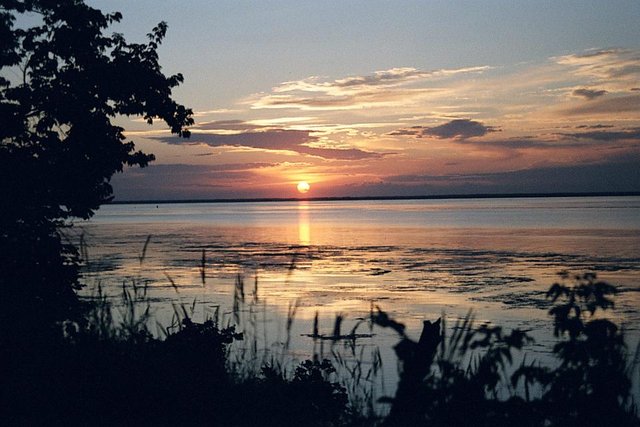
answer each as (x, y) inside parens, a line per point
(391, 98)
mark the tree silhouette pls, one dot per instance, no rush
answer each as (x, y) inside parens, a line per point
(62, 83)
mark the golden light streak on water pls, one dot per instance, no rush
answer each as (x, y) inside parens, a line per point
(304, 229)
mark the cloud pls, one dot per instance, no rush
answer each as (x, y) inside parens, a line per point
(598, 126)
(216, 111)
(589, 136)
(458, 128)
(226, 125)
(633, 133)
(604, 64)
(412, 131)
(242, 125)
(384, 78)
(617, 175)
(521, 143)
(381, 88)
(588, 93)
(608, 106)
(353, 101)
(274, 139)
(463, 130)
(380, 78)
(183, 181)
(461, 133)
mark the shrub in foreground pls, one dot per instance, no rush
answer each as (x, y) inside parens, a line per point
(470, 378)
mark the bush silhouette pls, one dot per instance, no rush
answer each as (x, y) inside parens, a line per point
(591, 386)
(471, 380)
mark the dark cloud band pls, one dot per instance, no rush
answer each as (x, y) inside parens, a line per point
(459, 128)
(274, 139)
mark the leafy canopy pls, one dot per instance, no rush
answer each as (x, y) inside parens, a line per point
(58, 145)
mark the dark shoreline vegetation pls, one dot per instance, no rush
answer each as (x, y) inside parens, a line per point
(106, 367)
(351, 198)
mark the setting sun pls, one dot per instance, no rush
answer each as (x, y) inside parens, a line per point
(303, 186)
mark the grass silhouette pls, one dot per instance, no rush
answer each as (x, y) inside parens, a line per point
(110, 369)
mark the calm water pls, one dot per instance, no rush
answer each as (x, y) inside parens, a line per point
(415, 259)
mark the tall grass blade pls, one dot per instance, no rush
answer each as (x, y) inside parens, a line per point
(203, 266)
(143, 255)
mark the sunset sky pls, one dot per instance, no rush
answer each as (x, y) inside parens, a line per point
(366, 98)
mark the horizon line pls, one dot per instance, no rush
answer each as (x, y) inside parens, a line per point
(356, 198)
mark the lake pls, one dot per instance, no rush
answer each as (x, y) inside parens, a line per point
(415, 259)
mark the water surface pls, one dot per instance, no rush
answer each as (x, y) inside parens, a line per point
(415, 259)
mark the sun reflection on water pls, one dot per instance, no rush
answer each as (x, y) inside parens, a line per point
(304, 231)
(413, 260)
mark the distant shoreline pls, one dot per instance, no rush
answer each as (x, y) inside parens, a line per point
(382, 198)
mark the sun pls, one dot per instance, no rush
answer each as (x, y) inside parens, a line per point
(303, 186)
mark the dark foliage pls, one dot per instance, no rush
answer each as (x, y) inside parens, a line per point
(310, 398)
(471, 380)
(106, 375)
(591, 386)
(58, 145)
(85, 380)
